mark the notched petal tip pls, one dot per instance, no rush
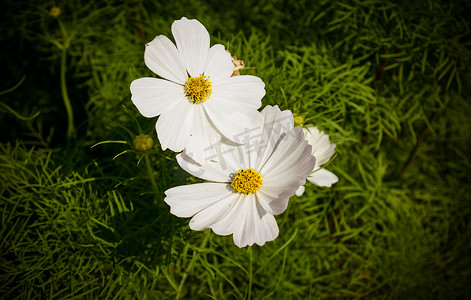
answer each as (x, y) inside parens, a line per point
(162, 58)
(192, 40)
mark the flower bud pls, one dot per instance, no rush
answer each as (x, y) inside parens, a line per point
(142, 142)
(54, 12)
(298, 120)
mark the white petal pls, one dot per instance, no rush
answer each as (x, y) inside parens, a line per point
(285, 171)
(323, 155)
(228, 162)
(269, 229)
(257, 226)
(219, 65)
(192, 40)
(174, 126)
(232, 119)
(300, 191)
(153, 96)
(162, 57)
(204, 141)
(271, 200)
(276, 124)
(228, 224)
(232, 106)
(322, 149)
(290, 156)
(211, 170)
(243, 90)
(274, 195)
(323, 177)
(233, 156)
(213, 213)
(187, 200)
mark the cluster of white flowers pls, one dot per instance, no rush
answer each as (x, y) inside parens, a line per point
(253, 161)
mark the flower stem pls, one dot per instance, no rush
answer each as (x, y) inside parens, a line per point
(65, 95)
(250, 273)
(150, 172)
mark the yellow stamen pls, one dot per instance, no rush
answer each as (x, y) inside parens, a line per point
(247, 181)
(198, 89)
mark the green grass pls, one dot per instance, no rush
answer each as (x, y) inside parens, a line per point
(389, 81)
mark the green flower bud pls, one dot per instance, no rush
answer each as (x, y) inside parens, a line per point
(142, 142)
(298, 120)
(55, 12)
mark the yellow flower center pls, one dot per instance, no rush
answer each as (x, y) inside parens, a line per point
(247, 181)
(198, 89)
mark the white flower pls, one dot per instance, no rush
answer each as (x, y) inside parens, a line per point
(249, 184)
(323, 150)
(197, 99)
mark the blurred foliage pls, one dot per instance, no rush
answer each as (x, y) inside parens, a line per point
(389, 81)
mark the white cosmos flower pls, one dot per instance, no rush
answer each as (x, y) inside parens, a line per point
(249, 184)
(197, 99)
(323, 150)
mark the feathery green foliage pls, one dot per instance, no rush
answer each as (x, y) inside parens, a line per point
(389, 81)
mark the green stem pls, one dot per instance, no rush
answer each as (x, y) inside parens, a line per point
(250, 273)
(65, 95)
(151, 174)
